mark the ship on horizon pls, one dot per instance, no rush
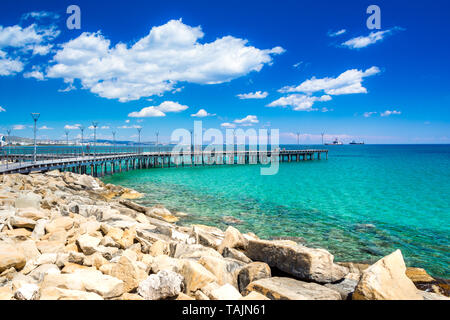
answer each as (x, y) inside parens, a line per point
(335, 142)
(354, 142)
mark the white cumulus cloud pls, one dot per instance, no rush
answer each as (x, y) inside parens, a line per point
(169, 54)
(387, 113)
(158, 111)
(202, 113)
(72, 127)
(337, 33)
(34, 74)
(38, 15)
(26, 38)
(369, 114)
(17, 41)
(253, 95)
(299, 102)
(228, 125)
(247, 121)
(348, 82)
(373, 37)
(9, 66)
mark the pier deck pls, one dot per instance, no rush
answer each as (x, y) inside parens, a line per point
(101, 164)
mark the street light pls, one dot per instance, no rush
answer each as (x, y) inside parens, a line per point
(95, 125)
(139, 129)
(35, 117)
(67, 137)
(322, 137)
(114, 140)
(82, 138)
(298, 139)
(8, 131)
(157, 141)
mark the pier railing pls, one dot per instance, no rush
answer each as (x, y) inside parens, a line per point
(107, 162)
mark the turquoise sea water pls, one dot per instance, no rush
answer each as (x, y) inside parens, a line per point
(362, 203)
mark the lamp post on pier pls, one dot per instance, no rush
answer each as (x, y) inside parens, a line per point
(67, 137)
(114, 140)
(322, 137)
(95, 125)
(157, 141)
(8, 131)
(139, 129)
(35, 117)
(298, 139)
(82, 139)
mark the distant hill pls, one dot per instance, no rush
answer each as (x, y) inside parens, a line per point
(15, 139)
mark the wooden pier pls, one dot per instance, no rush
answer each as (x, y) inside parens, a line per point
(101, 164)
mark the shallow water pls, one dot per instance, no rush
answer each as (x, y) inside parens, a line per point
(362, 203)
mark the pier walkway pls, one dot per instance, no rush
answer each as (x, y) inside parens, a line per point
(101, 164)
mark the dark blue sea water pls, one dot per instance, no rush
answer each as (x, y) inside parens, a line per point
(362, 203)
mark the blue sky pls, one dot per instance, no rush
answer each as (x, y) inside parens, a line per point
(246, 64)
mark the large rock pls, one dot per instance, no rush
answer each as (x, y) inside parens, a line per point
(233, 239)
(104, 285)
(46, 246)
(164, 284)
(192, 251)
(39, 229)
(290, 289)
(345, 287)
(252, 272)
(301, 262)
(31, 213)
(88, 244)
(40, 272)
(46, 258)
(164, 262)
(126, 270)
(235, 254)
(64, 281)
(64, 223)
(6, 293)
(21, 222)
(432, 296)
(225, 270)
(225, 292)
(11, 257)
(386, 280)
(419, 275)
(207, 236)
(88, 182)
(196, 276)
(255, 296)
(53, 293)
(28, 200)
(29, 249)
(159, 247)
(161, 212)
(27, 291)
(128, 237)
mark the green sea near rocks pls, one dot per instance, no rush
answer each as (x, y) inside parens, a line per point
(362, 203)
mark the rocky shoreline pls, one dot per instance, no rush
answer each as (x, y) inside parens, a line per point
(69, 236)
